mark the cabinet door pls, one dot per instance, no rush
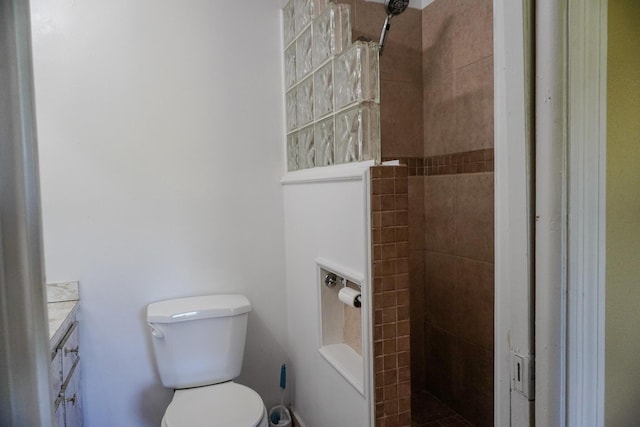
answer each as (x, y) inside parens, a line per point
(55, 371)
(73, 398)
(59, 413)
(70, 349)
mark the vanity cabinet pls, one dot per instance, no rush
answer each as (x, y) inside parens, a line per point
(65, 378)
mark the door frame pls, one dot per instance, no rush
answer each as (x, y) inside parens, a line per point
(25, 394)
(587, 140)
(567, 253)
(513, 175)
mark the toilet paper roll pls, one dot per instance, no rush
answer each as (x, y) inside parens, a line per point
(350, 297)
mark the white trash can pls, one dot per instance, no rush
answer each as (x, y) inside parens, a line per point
(285, 416)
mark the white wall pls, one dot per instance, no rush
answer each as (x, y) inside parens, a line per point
(160, 133)
(326, 220)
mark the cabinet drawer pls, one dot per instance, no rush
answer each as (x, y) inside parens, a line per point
(69, 350)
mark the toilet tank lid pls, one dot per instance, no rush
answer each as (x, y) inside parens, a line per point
(200, 307)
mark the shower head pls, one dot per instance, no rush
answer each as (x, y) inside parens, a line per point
(393, 8)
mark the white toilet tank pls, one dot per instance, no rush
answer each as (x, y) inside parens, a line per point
(199, 340)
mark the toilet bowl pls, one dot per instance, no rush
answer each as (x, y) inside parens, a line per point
(221, 405)
(198, 345)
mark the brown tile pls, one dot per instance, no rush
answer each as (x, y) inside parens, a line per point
(402, 313)
(387, 202)
(402, 265)
(378, 269)
(378, 366)
(437, 69)
(476, 391)
(387, 218)
(418, 315)
(376, 203)
(403, 297)
(439, 115)
(388, 251)
(389, 283)
(404, 374)
(388, 315)
(390, 362)
(440, 363)
(387, 186)
(377, 316)
(416, 212)
(391, 392)
(389, 346)
(404, 344)
(401, 119)
(389, 299)
(402, 233)
(379, 409)
(439, 203)
(401, 58)
(377, 252)
(416, 267)
(376, 171)
(377, 333)
(404, 404)
(388, 332)
(390, 377)
(392, 421)
(403, 328)
(404, 360)
(401, 202)
(473, 34)
(473, 91)
(402, 281)
(404, 389)
(402, 249)
(388, 171)
(387, 235)
(441, 276)
(475, 291)
(474, 216)
(389, 267)
(375, 186)
(377, 286)
(404, 419)
(401, 184)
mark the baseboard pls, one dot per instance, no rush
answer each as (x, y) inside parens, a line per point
(297, 421)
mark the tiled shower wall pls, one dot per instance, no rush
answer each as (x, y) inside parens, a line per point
(391, 295)
(436, 112)
(402, 135)
(457, 43)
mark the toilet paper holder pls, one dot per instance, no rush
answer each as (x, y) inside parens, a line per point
(331, 275)
(331, 279)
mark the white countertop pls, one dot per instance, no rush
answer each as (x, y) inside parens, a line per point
(63, 299)
(58, 313)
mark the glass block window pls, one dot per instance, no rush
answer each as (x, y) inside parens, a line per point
(332, 87)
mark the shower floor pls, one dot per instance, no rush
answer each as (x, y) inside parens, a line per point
(428, 411)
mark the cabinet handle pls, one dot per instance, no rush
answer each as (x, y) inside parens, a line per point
(73, 350)
(72, 399)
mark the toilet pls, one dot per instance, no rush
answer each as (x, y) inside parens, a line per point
(198, 343)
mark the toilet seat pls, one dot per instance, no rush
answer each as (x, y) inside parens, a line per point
(224, 405)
